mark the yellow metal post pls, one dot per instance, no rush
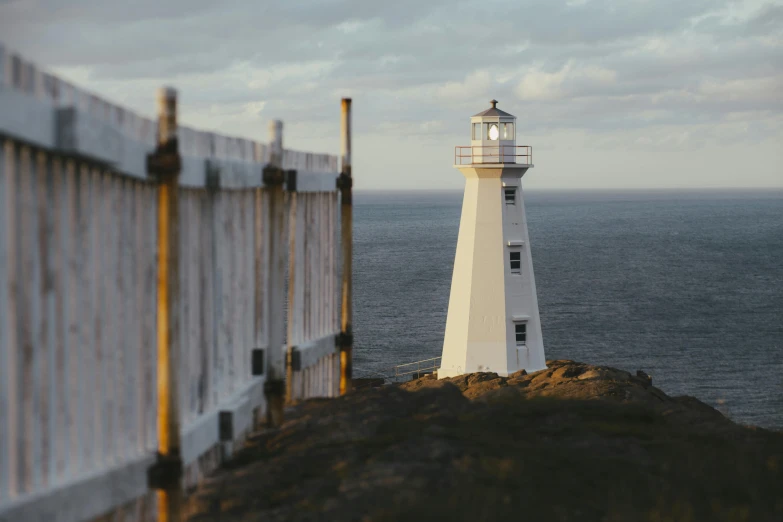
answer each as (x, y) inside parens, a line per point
(345, 183)
(164, 165)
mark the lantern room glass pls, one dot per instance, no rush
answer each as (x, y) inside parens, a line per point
(493, 133)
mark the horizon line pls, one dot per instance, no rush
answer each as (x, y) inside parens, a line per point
(586, 189)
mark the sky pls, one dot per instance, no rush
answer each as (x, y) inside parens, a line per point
(610, 94)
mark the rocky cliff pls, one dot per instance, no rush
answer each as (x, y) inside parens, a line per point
(573, 442)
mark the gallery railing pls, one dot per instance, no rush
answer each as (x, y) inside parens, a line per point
(476, 154)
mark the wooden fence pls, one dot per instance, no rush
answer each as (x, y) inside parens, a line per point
(118, 325)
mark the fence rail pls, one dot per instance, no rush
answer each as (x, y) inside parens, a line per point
(83, 255)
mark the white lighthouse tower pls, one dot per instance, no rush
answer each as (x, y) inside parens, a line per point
(493, 323)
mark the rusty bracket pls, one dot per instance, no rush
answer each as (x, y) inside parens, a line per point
(226, 426)
(344, 340)
(272, 175)
(290, 180)
(274, 387)
(166, 473)
(212, 177)
(294, 359)
(164, 162)
(257, 362)
(344, 181)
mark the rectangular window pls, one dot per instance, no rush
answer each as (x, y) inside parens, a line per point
(477, 131)
(520, 332)
(508, 131)
(516, 261)
(510, 195)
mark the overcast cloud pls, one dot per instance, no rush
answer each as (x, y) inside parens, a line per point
(626, 93)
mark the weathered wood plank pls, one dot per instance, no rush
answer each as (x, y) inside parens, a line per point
(9, 396)
(259, 269)
(91, 275)
(103, 287)
(299, 308)
(183, 310)
(138, 221)
(186, 296)
(149, 333)
(247, 284)
(209, 337)
(27, 332)
(243, 286)
(223, 325)
(112, 376)
(58, 426)
(233, 302)
(73, 241)
(125, 326)
(47, 323)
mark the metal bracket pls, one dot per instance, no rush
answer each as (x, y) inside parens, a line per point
(295, 359)
(226, 426)
(343, 340)
(290, 180)
(344, 181)
(272, 175)
(166, 473)
(165, 161)
(212, 177)
(276, 387)
(257, 362)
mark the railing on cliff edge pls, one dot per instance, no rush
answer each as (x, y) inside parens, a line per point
(399, 372)
(142, 273)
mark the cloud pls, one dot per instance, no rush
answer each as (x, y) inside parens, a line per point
(570, 81)
(473, 86)
(613, 68)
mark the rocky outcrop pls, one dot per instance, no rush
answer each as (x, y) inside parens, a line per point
(562, 379)
(574, 442)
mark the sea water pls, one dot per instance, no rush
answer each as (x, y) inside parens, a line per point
(687, 286)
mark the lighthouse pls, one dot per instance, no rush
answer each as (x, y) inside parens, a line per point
(493, 323)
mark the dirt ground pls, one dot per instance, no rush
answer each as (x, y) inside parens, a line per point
(573, 442)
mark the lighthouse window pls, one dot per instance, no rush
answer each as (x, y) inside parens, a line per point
(508, 131)
(515, 259)
(511, 195)
(520, 332)
(493, 133)
(476, 131)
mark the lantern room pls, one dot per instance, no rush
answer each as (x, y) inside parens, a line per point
(493, 131)
(493, 139)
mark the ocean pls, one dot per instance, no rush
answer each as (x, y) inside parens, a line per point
(686, 285)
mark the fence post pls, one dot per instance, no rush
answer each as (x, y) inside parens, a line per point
(345, 183)
(164, 164)
(274, 386)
